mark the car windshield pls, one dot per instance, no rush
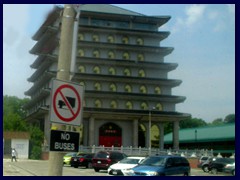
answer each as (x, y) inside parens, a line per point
(129, 161)
(154, 161)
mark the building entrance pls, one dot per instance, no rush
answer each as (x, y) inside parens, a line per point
(110, 134)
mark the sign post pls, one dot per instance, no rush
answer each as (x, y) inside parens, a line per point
(63, 73)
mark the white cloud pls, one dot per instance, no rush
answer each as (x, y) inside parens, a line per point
(15, 19)
(16, 44)
(193, 14)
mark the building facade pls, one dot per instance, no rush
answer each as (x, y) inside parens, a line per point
(120, 63)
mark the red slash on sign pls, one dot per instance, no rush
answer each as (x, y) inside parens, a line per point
(68, 101)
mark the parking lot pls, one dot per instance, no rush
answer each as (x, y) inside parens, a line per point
(40, 168)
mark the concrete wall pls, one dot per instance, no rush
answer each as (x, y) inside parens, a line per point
(21, 146)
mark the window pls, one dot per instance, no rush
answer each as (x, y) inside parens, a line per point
(159, 107)
(96, 53)
(129, 105)
(127, 72)
(81, 52)
(158, 90)
(80, 37)
(125, 40)
(98, 103)
(82, 84)
(97, 70)
(144, 106)
(113, 104)
(112, 71)
(111, 55)
(95, 38)
(140, 57)
(126, 56)
(140, 41)
(113, 87)
(97, 86)
(143, 89)
(141, 73)
(110, 39)
(81, 69)
(128, 88)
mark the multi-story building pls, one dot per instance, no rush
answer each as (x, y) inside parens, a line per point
(120, 63)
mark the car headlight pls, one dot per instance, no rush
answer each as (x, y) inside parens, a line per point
(152, 173)
(131, 171)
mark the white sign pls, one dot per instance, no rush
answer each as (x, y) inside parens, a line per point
(66, 102)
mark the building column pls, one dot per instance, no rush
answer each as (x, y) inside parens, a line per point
(161, 135)
(135, 133)
(91, 131)
(176, 135)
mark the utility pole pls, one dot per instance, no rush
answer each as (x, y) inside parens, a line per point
(63, 73)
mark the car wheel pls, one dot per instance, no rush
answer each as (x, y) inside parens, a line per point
(214, 171)
(96, 170)
(186, 174)
(233, 172)
(89, 165)
(205, 169)
(75, 166)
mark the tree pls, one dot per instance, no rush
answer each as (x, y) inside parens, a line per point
(216, 122)
(13, 120)
(229, 118)
(191, 123)
(13, 114)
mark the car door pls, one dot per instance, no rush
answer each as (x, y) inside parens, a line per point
(170, 168)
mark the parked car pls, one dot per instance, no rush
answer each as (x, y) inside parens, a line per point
(82, 159)
(123, 167)
(162, 166)
(230, 168)
(202, 160)
(205, 164)
(104, 159)
(218, 165)
(67, 158)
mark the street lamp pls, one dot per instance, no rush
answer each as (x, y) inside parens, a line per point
(196, 137)
(150, 124)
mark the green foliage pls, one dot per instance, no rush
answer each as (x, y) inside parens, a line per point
(13, 120)
(13, 114)
(36, 152)
(230, 118)
(191, 123)
(217, 122)
(36, 136)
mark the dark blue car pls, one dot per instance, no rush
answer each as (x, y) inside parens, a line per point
(162, 166)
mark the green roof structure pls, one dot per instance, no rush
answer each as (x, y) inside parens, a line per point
(204, 134)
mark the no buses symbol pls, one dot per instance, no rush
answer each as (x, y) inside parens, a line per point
(66, 101)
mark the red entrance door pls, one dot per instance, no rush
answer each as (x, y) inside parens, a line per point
(110, 135)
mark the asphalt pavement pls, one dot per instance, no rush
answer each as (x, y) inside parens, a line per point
(27, 167)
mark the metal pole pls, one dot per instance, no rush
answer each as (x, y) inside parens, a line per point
(150, 124)
(63, 73)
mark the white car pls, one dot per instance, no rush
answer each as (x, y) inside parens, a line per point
(122, 168)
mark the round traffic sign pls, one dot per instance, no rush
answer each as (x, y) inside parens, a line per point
(66, 101)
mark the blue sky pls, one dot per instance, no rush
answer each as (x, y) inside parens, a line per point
(203, 37)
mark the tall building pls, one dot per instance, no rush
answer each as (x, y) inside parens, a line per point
(120, 63)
